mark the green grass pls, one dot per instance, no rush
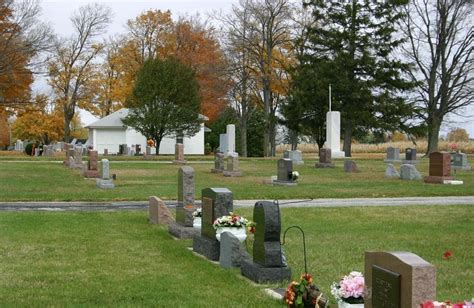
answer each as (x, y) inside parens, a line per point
(118, 259)
(136, 180)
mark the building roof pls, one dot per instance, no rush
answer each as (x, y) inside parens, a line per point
(114, 120)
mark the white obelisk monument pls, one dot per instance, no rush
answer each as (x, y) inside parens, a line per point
(333, 131)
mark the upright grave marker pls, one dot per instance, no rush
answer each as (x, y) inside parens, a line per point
(285, 173)
(440, 168)
(267, 265)
(325, 159)
(350, 166)
(295, 156)
(216, 202)
(158, 212)
(398, 280)
(230, 133)
(179, 154)
(459, 161)
(218, 163)
(92, 170)
(393, 155)
(105, 182)
(223, 147)
(410, 156)
(233, 166)
(183, 228)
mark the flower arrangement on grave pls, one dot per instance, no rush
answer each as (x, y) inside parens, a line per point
(231, 221)
(295, 175)
(197, 213)
(447, 304)
(350, 289)
(150, 143)
(304, 293)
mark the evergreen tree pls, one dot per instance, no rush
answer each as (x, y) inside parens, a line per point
(351, 44)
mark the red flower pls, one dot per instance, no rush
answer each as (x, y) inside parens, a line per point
(447, 254)
(428, 304)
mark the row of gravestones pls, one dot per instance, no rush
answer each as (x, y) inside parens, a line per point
(393, 279)
(91, 169)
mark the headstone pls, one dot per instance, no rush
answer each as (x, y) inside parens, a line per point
(230, 251)
(92, 170)
(185, 206)
(148, 151)
(37, 152)
(73, 142)
(285, 173)
(158, 212)
(391, 172)
(333, 133)
(410, 156)
(122, 149)
(459, 161)
(268, 264)
(218, 163)
(325, 159)
(179, 154)
(223, 147)
(393, 155)
(216, 202)
(233, 166)
(440, 168)
(409, 172)
(78, 157)
(350, 166)
(295, 156)
(138, 149)
(398, 280)
(106, 152)
(230, 133)
(105, 182)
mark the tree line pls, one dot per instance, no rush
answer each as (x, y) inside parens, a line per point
(393, 66)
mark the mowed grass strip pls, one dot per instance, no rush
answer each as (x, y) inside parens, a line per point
(137, 180)
(117, 258)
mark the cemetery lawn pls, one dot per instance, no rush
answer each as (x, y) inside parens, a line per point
(118, 259)
(36, 179)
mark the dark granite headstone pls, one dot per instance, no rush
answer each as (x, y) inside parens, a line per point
(410, 154)
(350, 166)
(138, 149)
(440, 167)
(285, 169)
(122, 149)
(325, 159)
(398, 280)
(92, 170)
(267, 264)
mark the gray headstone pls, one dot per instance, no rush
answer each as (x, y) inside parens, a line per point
(233, 166)
(459, 161)
(350, 166)
(393, 154)
(285, 170)
(105, 169)
(230, 251)
(216, 202)
(410, 154)
(223, 146)
(295, 156)
(218, 163)
(185, 205)
(409, 172)
(148, 150)
(398, 280)
(266, 246)
(391, 172)
(325, 156)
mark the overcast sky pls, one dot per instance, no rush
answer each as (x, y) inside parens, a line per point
(58, 12)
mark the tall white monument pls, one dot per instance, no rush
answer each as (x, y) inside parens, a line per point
(333, 131)
(230, 132)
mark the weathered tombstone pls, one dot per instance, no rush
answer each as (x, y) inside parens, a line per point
(391, 172)
(325, 160)
(410, 156)
(148, 151)
(45, 150)
(78, 157)
(216, 202)
(459, 161)
(92, 165)
(285, 173)
(398, 280)
(223, 147)
(295, 156)
(440, 168)
(268, 264)
(350, 166)
(393, 155)
(231, 251)
(37, 152)
(183, 227)
(105, 182)
(106, 152)
(122, 149)
(218, 163)
(233, 166)
(409, 172)
(158, 212)
(230, 133)
(179, 154)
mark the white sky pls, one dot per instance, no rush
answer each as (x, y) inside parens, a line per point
(58, 12)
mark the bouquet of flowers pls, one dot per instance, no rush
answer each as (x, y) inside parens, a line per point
(295, 175)
(231, 220)
(304, 293)
(350, 289)
(197, 213)
(430, 304)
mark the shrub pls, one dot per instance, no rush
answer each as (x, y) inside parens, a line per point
(29, 148)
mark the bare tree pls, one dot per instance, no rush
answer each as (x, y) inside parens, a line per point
(72, 68)
(440, 44)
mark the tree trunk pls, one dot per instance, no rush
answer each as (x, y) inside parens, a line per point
(434, 125)
(243, 136)
(347, 147)
(67, 129)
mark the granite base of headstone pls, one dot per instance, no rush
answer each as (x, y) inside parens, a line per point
(391, 172)
(296, 156)
(231, 251)
(216, 202)
(182, 232)
(440, 168)
(233, 166)
(285, 173)
(158, 212)
(268, 264)
(325, 159)
(410, 162)
(218, 163)
(350, 166)
(409, 172)
(398, 279)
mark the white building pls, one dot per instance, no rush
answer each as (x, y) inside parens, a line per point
(109, 132)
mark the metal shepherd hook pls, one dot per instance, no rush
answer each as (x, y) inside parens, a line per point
(304, 245)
